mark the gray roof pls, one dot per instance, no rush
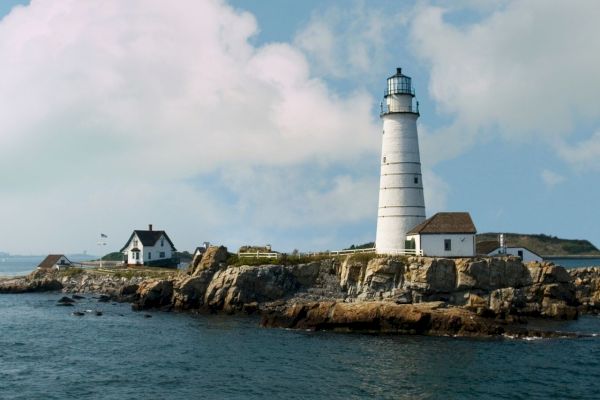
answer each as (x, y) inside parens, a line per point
(51, 260)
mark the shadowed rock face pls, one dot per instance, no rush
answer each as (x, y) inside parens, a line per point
(154, 294)
(386, 317)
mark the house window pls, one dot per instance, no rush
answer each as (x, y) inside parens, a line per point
(135, 242)
(162, 242)
(416, 180)
(448, 244)
(149, 256)
(162, 254)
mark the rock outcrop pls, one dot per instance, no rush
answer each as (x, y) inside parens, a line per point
(26, 285)
(365, 292)
(386, 317)
(587, 288)
(494, 286)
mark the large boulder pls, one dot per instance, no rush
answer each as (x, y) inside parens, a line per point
(431, 275)
(189, 292)
(213, 259)
(382, 277)
(154, 294)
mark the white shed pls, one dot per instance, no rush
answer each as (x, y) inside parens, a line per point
(524, 253)
(446, 234)
(55, 261)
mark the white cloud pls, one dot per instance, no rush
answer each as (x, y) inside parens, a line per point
(551, 178)
(584, 155)
(349, 41)
(527, 70)
(126, 101)
(436, 192)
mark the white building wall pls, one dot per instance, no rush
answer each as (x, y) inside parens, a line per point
(401, 202)
(462, 245)
(152, 253)
(528, 256)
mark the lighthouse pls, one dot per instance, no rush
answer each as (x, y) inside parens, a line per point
(401, 202)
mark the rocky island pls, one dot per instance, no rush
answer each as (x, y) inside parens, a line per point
(359, 293)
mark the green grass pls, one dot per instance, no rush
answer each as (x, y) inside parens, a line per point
(285, 259)
(70, 272)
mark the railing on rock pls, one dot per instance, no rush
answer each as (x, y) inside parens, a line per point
(403, 252)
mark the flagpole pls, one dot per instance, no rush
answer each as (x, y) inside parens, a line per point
(101, 243)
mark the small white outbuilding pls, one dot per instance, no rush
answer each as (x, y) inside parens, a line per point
(446, 234)
(523, 253)
(55, 261)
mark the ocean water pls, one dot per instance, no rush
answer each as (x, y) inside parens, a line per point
(576, 262)
(48, 353)
(13, 266)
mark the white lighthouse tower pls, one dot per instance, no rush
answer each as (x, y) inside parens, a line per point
(401, 203)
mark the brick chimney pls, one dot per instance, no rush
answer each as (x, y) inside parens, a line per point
(149, 227)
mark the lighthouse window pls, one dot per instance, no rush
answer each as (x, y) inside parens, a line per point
(384, 159)
(416, 180)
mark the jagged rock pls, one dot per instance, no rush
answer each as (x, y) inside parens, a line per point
(382, 277)
(213, 258)
(490, 274)
(307, 274)
(587, 288)
(546, 272)
(431, 275)
(189, 292)
(352, 273)
(154, 294)
(233, 287)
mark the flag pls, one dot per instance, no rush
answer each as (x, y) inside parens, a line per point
(102, 235)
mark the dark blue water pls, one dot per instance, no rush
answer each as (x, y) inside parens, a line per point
(47, 353)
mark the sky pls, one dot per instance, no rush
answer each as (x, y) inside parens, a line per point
(256, 121)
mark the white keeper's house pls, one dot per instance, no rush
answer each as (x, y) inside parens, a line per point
(149, 248)
(446, 234)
